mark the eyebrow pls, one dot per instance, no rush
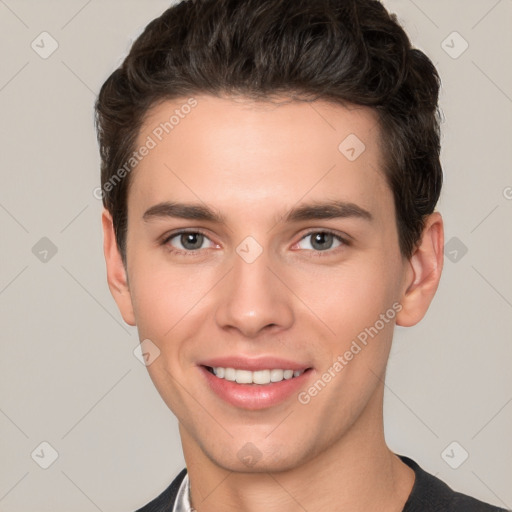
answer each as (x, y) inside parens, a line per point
(327, 210)
(311, 211)
(183, 211)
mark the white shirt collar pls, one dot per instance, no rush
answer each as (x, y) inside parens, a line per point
(182, 503)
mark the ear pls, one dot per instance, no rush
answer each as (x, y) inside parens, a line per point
(423, 273)
(116, 273)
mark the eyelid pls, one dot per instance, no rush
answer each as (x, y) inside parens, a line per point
(165, 240)
(345, 239)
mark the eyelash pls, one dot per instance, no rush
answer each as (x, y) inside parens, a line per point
(173, 250)
(165, 242)
(345, 242)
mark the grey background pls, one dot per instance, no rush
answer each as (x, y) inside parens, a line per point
(68, 375)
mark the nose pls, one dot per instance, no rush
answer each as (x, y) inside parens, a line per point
(252, 299)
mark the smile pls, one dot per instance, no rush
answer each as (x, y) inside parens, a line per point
(255, 389)
(260, 377)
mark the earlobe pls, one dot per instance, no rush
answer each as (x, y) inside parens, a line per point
(424, 273)
(116, 272)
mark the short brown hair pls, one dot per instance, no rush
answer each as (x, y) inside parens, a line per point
(344, 51)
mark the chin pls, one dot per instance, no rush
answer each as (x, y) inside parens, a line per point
(257, 457)
(267, 464)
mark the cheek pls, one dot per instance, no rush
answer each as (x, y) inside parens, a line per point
(167, 304)
(152, 301)
(350, 297)
(164, 294)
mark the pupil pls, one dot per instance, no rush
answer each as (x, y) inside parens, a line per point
(322, 241)
(192, 241)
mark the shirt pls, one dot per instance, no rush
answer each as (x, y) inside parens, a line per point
(428, 494)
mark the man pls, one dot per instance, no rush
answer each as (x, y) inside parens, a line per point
(270, 171)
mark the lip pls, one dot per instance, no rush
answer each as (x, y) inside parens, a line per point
(254, 364)
(254, 396)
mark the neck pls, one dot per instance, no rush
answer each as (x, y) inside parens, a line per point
(358, 473)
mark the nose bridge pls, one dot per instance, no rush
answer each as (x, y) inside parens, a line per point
(253, 298)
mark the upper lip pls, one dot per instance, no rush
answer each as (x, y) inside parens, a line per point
(254, 364)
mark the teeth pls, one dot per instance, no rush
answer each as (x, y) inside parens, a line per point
(257, 377)
(243, 377)
(229, 374)
(261, 377)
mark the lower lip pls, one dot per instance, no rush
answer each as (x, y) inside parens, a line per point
(254, 396)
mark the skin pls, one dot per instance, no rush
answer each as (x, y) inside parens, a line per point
(252, 163)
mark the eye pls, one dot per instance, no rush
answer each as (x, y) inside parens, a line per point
(187, 241)
(321, 241)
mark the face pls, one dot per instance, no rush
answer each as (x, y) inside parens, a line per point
(263, 263)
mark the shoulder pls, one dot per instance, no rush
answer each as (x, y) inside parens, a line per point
(165, 501)
(430, 494)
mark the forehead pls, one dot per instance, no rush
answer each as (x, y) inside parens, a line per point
(235, 151)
